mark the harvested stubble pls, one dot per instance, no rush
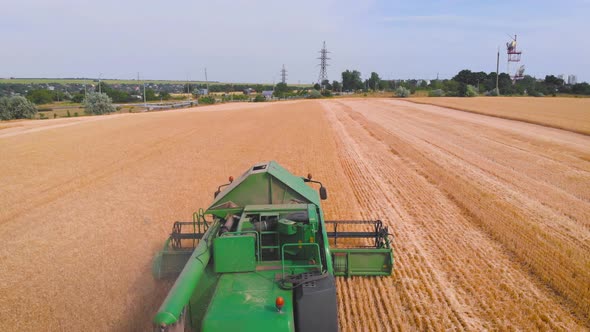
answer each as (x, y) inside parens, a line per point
(490, 215)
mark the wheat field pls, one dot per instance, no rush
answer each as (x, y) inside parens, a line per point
(558, 112)
(491, 216)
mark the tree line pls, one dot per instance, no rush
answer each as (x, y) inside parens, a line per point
(464, 83)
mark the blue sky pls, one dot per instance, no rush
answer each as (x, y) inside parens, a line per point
(248, 41)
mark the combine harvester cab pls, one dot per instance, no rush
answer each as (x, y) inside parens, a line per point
(259, 258)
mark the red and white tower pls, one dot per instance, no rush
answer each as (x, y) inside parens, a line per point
(514, 56)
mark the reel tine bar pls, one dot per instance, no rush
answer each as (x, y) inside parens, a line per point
(379, 233)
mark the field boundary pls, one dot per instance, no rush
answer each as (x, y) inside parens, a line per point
(540, 123)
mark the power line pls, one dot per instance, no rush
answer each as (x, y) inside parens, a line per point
(323, 76)
(206, 81)
(284, 75)
(498, 71)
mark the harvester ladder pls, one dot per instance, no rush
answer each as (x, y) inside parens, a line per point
(275, 242)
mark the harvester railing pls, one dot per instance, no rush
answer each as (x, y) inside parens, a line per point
(199, 218)
(315, 245)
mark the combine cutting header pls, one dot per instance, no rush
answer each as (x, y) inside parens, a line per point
(259, 259)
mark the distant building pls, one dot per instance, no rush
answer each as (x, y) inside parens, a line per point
(267, 94)
(572, 79)
(248, 91)
(203, 92)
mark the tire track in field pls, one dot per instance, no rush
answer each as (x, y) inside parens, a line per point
(70, 186)
(523, 156)
(441, 238)
(413, 295)
(569, 213)
(553, 249)
(561, 153)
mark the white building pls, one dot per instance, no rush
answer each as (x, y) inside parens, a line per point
(572, 79)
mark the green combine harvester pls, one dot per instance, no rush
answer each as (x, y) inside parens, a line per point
(259, 258)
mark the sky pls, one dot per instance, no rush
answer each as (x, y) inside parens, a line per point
(249, 41)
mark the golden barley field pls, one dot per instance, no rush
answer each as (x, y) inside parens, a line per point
(491, 216)
(571, 114)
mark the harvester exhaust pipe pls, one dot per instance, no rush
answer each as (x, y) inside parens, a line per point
(231, 179)
(323, 191)
(228, 224)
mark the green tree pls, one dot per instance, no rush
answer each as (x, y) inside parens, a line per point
(489, 83)
(188, 88)
(314, 94)
(465, 76)
(5, 113)
(102, 87)
(505, 84)
(550, 79)
(471, 91)
(581, 88)
(451, 87)
(551, 85)
(281, 89)
(436, 93)
(259, 98)
(374, 81)
(78, 98)
(22, 108)
(326, 85)
(207, 100)
(336, 86)
(117, 96)
(388, 85)
(317, 87)
(40, 96)
(402, 92)
(16, 107)
(98, 103)
(150, 95)
(468, 77)
(527, 85)
(351, 80)
(165, 95)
